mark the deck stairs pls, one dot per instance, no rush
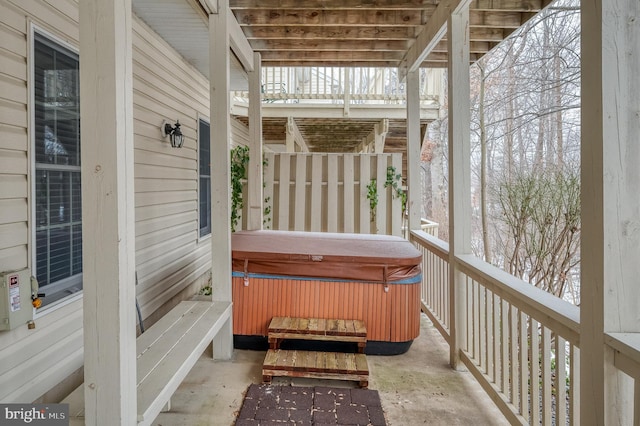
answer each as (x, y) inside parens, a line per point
(316, 364)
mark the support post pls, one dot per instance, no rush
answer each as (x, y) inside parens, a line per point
(347, 91)
(290, 142)
(381, 129)
(255, 176)
(459, 175)
(219, 66)
(610, 243)
(108, 235)
(414, 199)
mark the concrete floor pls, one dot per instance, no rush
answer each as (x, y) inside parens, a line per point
(416, 388)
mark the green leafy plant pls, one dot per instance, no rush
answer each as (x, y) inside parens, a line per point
(239, 163)
(266, 213)
(372, 196)
(394, 180)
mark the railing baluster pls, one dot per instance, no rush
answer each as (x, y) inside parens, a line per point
(524, 366)
(636, 402)
(574, 386)
(489, 336)
(561, 381)
(497, 353)
(546, 376)
(504, 334)
(482, 329)
(476, 321)
(534, 359)
(513, 357)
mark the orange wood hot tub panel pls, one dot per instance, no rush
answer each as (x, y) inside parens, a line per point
(392, 316)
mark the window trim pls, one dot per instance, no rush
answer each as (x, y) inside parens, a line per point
(31, 155)
(208, 235)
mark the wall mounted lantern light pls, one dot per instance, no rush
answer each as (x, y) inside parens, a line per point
(175, 134)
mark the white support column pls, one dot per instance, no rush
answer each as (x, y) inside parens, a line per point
(610, 241)
(459, 174)
(290, 142)
(347, 92)
(108, 235)
(219, 66)
(255, 176)
(414, 197)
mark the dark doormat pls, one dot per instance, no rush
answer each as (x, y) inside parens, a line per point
(318, 406)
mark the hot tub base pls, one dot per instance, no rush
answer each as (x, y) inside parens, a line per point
(260, 343)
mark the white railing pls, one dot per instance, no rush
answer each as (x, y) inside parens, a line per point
(341, 85)
(626, 358)
(426, 225)
(435, 280)
(521, 343)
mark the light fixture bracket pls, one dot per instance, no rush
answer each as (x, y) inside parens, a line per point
(176, 138)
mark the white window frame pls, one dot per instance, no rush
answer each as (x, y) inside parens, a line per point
(70, 281)
(208, 235)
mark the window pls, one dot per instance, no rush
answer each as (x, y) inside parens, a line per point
(204, 193)
(57, 204)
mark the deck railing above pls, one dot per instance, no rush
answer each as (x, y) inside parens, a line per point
(521, 343)
(342, 85)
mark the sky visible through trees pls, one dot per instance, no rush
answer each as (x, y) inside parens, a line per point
(525, 141)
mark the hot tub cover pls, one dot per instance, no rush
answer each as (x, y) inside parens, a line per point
(361, 257)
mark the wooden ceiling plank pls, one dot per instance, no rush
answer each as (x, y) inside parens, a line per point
(332, 17)
(311, 55)
(329, 45)
(479, 18)
(331, 4)
(328, 63)
(506, 5)
(330, 32)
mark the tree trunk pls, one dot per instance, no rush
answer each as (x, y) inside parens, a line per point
(483, 169)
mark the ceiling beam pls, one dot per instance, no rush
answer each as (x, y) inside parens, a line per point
(331, 55)
(430, 35)
(334, 44)
(394, 18)
(331, 4)
(303, 32)
(239, 43)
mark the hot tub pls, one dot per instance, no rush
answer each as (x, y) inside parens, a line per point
(374, 278)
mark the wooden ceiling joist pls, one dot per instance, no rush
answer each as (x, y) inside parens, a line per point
(394, 33)
(332, 17)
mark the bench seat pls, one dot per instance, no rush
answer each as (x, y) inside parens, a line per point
(166, 352)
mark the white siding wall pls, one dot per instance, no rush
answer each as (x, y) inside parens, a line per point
(169, 255)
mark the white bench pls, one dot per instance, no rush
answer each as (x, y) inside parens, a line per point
(166, 352)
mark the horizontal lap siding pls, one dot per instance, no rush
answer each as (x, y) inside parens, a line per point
(391, 316)
(31, 361)
(169, 254)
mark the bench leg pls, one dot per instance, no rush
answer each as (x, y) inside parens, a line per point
(223, 342)
(167, 407)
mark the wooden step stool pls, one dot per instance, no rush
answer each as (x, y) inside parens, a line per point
(333, 330)
(316, 365)
(313, 364)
